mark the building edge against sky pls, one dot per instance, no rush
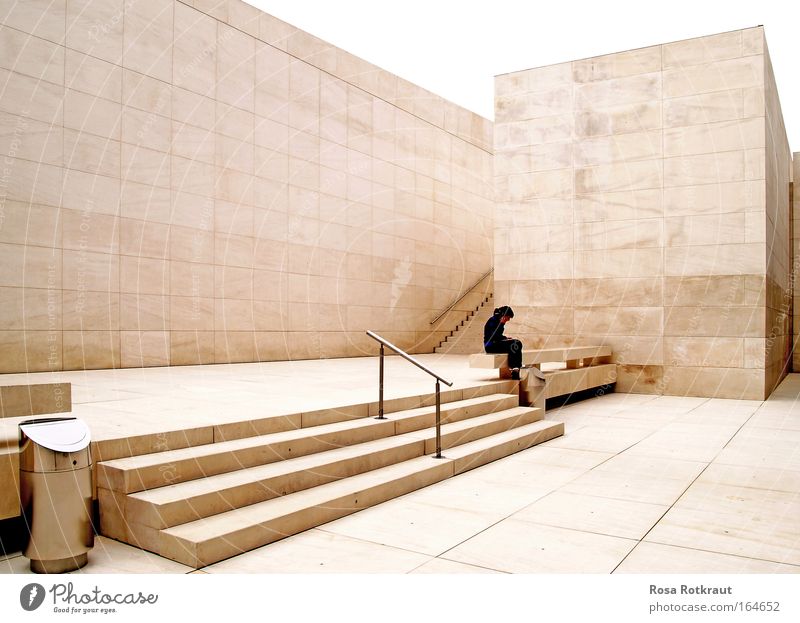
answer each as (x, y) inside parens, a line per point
(643, 202)
(209, 184)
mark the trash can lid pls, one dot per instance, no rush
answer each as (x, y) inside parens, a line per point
(59, 434)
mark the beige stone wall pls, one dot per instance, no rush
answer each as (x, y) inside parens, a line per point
(780, 270)
(199, 182)
(632, 211)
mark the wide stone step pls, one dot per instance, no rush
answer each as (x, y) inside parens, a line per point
(479, 427)
(482, 451)
(210, 540)
(185, 502)
(150, 471)
(188, 501)
(464, 410)
(205, 541)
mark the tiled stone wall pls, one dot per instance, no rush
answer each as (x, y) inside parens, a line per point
(795, 255)
(780, 270)
(631, 211)
(198, 182)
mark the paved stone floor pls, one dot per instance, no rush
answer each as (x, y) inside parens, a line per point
(135, 401)
(638, 484)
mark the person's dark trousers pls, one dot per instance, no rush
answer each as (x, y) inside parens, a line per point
(513, 348)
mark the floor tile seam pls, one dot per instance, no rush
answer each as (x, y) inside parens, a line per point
(678, 499)
(440, 506)
(776, 491)
(471, 564)
(370, 542)
(663, 458)
(660, 519)
(715, 457)
(759, 465)
(523, 459)
(711, 551)
(481, 531)
(781, 469)
(642, 538)
(596, 532)
(511, 515)
(616, 454)
(746, 486)
(444, 554)
(697, 406)
(707, 427)
(583, 472)
(782, 430)
(621, 415)
(601, 497)
(592, 532)
(728, 443)
(770, 492)
(774, 411)
(777, 436)
(738, 518)
(636, 443)
(606, 427)
(773, 401)
(11, 556)
(654, 453)
(620, 499)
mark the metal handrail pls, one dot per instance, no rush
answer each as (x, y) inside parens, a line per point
(407, 357)
(467, 291)
(387, 344)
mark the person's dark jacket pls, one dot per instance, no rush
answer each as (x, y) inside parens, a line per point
(493, 331)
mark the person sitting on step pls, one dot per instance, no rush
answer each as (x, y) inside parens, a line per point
(495, 342)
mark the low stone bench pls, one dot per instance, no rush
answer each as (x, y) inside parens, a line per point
(586, 367)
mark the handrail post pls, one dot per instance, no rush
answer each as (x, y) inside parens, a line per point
(408, 357)
(380, 388)
(438, 421)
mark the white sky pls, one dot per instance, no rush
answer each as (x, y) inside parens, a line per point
(455, 47)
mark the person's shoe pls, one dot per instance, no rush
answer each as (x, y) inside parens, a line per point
(515, 374)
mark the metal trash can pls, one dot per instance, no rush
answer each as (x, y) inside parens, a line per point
(55, 477)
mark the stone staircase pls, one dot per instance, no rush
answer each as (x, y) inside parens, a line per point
(468, 335)
(202, 504)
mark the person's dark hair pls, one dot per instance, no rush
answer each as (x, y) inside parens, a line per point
(504, 310)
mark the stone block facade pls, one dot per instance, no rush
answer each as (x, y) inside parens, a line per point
(795, 225)
(199, 182)
(195, 181)
(642, 203)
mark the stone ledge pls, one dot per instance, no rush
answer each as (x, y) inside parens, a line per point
(35, 399)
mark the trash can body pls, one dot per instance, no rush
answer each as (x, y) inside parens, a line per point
(56, 493)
